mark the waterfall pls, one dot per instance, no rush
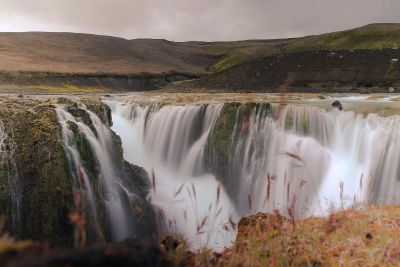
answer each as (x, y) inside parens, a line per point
(113, 191)
(168, 141)
(300, 160)
(9, 173)
(76, 166)
(316, 160)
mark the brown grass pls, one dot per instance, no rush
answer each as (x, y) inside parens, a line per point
(347, 238)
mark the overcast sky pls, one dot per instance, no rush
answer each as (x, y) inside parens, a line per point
(207, 20)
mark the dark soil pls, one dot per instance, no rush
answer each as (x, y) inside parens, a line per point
(314, 71)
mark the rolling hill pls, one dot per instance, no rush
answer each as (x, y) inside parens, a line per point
(72, 61)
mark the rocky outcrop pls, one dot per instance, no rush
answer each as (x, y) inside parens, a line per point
(220, 148)
(45, 183)
(45, 192)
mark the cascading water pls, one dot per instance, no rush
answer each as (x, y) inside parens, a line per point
(304, 160)
(8, 171)
(76, 165)
(169, 142)
(301, 160)
(118, 199)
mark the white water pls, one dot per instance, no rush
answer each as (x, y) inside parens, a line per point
(301, 160)
(112, 190)
(76, 166)
(7, 161)
(312, 151)
(169, 141)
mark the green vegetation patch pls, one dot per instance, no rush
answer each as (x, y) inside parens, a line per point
(221, 141)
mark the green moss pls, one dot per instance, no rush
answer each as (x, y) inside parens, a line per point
(223, 137)
(41, 168)
(100, 109)
(82, 116)
(220, 140)
(46, 188)
(85, 152)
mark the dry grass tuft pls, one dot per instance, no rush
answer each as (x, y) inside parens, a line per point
(347, 238)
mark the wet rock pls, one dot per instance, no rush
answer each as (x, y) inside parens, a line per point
(337, 104)
(46, 181)
(170, 243)
(44, 190)
(391, 89)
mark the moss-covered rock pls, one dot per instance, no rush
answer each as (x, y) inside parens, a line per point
(134, 178)
(100, 109)
(46, 184)
(220, 148)
(45, 189)
(219, 145)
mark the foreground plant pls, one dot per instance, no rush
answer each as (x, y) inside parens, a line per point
(347, 238)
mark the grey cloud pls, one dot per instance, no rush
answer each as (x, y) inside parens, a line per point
(195, 20)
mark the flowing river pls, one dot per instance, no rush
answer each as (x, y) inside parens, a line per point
(141, 165)
(212, 163)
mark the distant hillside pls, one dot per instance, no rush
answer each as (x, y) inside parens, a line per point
(84, 53)
(67, 60)
(373, 36)
(362, 70)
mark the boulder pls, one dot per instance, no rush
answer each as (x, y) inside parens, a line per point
(337, 104)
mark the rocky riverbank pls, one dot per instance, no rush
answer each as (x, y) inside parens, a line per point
(43, 194)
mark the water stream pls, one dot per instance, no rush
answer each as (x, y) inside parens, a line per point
(116, 197)
(169, 143)
(301, 160)
(8, 172)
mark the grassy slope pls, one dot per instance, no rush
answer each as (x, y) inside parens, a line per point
(374, 36)
(26, 56)
(85, 53)
(349, 238)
